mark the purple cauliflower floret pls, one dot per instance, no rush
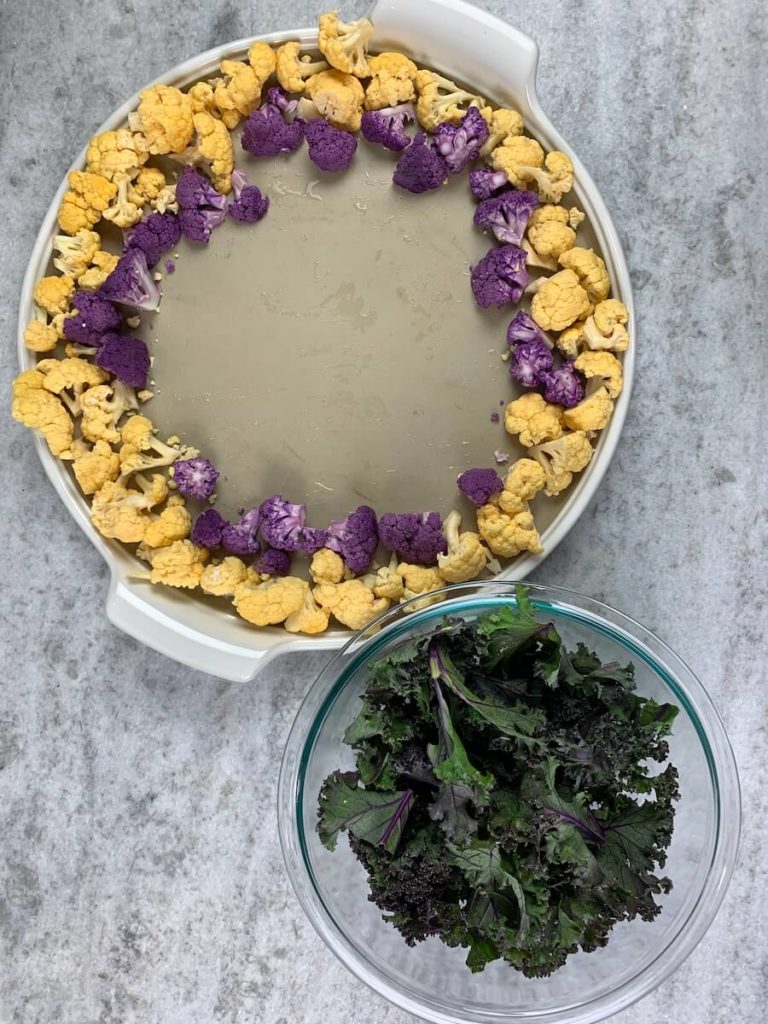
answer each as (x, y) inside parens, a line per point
(529, 362)
(416, 537)
(524, 328)
(459, 144)
(195, 192)
(420, 168)
(249, 205)
(130, 283)
(313, 538)
(479, 485)
(95, 317)
(277, 97)
(484, 182)
(202, 208)
(282, 523)
(208, 529)
(500, 276)
(273, 562)
(240, 538)
(330, 149)
(355, 538)
(387, 126)
(197, 225)
(266, 132)
(195, 478)
(125, 356)
(155, 235)
(564, 386)
(507, 215)
(170, 266)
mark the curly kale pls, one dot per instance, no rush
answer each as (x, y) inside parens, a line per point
(504, 797)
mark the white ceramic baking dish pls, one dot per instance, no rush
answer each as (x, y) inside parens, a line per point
(469, 45)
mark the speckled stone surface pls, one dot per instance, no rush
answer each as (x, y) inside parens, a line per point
(140, 874)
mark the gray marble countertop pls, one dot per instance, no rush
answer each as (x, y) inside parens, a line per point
(140, 874)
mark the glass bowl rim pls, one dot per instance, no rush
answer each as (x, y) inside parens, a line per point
(622, 629)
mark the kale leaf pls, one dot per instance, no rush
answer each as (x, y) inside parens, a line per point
(377, 818)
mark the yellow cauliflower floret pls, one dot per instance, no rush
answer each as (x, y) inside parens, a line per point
(560, 301)
(174, 523)
(68, 379)
(54, 294)
(127, 207)
(606, 328)
(309, 619)
(562, 458)
(351, 602)
(137, 431)
(293, 70)
(40, 335)
(93, 467)
(262, 59)
(524, 479)
(270, 603)
(166, 200)
(148, 185)
(571, 340)
(508, 535)
(119, 513)
(554, 179)
(441, 100)
(84, 201)
(602, 366)
(549, 231)
(75, 253)
(201, 95)
(117, 154)
(392, 81)
(141, 449)
(590, 270)
(593, 413)
(326, 566)
(388, 582)
(101, 408)
(213, 150)
(238, 92)
(338, 97)
(517, 156)
(466, 557)
(502, 123)
(533, 419)
(419, 579)
(39, 410)
(122, 513)
(534, 259)
(344, 44)
(179, 565)
(164, 118)
(576, 217)
(221, 578)
(103, 265)
(154, 490)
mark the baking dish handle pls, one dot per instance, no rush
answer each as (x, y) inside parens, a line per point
(149, 625)
(472, 45)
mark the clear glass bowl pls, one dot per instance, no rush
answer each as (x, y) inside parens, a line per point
(431, 980)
